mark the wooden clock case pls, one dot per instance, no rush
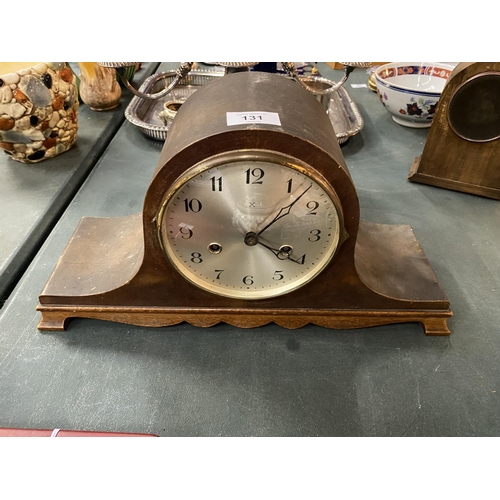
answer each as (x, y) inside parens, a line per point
(462, 150)
(114, 268)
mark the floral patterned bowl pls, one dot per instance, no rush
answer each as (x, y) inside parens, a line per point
(410, 91)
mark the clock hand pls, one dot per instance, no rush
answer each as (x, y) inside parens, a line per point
(279, 252)
(284, 210)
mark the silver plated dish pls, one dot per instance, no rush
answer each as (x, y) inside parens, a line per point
(152, 120)
(344, 115)
(147, 114)
(341, 109)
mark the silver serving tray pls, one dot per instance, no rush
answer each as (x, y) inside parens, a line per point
(145, 114)
(341, 109)
(344, 115)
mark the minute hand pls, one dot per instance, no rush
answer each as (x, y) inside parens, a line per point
(284, 211)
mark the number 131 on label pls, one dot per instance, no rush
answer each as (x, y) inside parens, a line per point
(244, 118)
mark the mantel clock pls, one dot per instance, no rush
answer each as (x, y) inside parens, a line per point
(462, 150)
(251, 218)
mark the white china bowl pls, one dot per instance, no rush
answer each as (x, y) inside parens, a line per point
(410, 91)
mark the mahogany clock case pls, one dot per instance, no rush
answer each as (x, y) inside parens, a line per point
(115, 268)
(462, 150)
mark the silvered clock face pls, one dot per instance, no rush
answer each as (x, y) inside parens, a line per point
(249, 226)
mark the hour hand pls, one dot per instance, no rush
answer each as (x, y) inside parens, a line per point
(282, 253)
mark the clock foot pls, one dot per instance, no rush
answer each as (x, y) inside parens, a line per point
(53, 321)
(436, 326)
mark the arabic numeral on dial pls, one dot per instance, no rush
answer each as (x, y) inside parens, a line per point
(248, 280)
(193, 205)
(185, 232)
(315, 235)
(289, 184)
(302, 259)
(219, 272)
(256, 173)
(196, 258)
(216, 183)
(278, 276)
(312, 206)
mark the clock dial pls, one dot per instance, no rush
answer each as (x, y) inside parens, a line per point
(250, 226)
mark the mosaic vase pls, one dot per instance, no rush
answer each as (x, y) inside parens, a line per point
(38, 110)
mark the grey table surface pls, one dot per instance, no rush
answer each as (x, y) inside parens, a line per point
(33, 196)
(269, 381)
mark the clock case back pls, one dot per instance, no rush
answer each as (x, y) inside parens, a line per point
(115, 268)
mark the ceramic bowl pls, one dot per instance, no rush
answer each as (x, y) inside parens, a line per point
(410, 91)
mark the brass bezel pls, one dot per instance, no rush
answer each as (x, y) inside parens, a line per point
(242, 156)
(450, 104)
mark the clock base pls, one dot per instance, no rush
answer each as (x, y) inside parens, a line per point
(99, 277)
(56, 318)
(424, 177)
